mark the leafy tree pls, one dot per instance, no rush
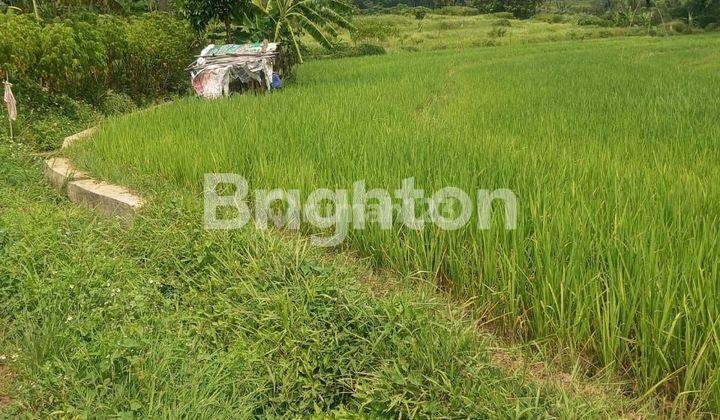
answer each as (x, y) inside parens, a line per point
(373, 30)
(522, 9)
(72, 8)
(694, 12)
(73, 60)
(699, 12)
(20, 46)
(200, 12)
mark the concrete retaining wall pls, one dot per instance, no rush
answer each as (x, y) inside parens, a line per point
(111, 200)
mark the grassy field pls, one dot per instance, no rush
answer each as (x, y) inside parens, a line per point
(438, 32)
(610, 146)
(163, 319)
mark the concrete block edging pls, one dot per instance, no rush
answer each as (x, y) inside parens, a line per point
(109, 199)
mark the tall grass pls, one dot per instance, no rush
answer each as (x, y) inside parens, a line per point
(610, 146)
(438, 32)
(164, 320)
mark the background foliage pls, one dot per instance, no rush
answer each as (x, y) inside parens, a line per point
(68, 70)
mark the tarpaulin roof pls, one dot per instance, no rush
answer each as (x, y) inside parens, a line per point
(218, 64)
(230, 49)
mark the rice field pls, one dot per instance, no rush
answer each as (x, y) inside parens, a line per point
(609, 145)
(437, 32)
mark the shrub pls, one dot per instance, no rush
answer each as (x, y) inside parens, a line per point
(634, 31)
(644, 19)
(114, 103)
(503, 15)
(521, 9)
(577, 34)
(67, 66)
(369, 49)
(497, 32)
(712, 27)
(445, 25)
(420, 12)
(82, 57)
(45, 118)
(502, 22)
(114, 34)
(46, 133)
(456, 11)
(627, 18)
(74, 59)
(344, 50)
(20, 46)
(678, 26)
(552, 18)
(156, 65)
(373, 30)
(488, 6)
(400, 9)
(592, 20)
(703, 12)
(415, 39)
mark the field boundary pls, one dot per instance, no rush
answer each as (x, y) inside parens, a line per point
(80, 188)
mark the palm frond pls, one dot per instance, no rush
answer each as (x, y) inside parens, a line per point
(336, 18)
(339, 6)
(293, 40)
(313, 29)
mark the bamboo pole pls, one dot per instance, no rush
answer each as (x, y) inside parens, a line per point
(36, 9)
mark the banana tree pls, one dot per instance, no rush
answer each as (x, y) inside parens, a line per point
(289, 19)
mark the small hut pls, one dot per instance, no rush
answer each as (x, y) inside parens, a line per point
(222, 69)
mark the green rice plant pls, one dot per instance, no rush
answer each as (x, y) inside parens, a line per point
(609, 145)
(163, 320)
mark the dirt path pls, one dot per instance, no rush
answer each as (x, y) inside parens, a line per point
(6, 377)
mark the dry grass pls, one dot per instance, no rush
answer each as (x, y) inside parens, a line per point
(6, 387)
